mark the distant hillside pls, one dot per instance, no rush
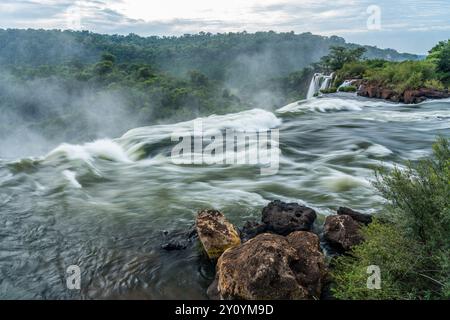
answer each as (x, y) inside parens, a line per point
(236, 58)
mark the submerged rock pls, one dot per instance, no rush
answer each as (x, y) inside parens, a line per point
(179, 239)
(215, 233)
(271, 266)
(357, 216)
(342, 231)
(283, 218)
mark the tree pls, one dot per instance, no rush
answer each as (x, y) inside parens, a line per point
(109, 57)
(440, 55)
(198, 78)
(339, 56)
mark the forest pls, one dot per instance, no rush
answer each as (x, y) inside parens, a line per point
(72, 86)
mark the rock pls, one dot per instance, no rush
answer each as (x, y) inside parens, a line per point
(271, 266)
(357, 216)
(284, 218)
(387, 93)
(179, 239)
(420, 95)
(251, 229)
(311, 271)
(215, 233)
(342, 231)
(374, 90)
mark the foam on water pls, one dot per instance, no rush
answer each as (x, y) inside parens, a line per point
(378, 150)
(105, 148)
(71, 177)
(330, 105)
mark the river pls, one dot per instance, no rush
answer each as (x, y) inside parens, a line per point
(107, 205)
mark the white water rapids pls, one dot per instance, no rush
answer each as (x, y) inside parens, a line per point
(104, 205)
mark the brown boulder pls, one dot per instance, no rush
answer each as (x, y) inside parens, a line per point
(270, 266)
(342, 231)
(215, 233)
(311, 269)
(387, 93)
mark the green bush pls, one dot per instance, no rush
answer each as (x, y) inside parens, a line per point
(348, 89)
(386, 248)
(329, 90)
(403, 75)
(413, 247)
(440, 55)
(351, 70)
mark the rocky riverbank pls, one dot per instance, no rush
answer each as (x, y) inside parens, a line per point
(279, 257)
(372, 90)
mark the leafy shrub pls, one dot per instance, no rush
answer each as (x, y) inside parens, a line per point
(329, 90)
(348, 89)
(434, 84)
(413, 248)
(352, 70)
(403, 75)
(386, 248)
(440, 55)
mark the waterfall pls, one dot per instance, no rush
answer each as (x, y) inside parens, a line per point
(319, 82)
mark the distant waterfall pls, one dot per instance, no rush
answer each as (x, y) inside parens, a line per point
(319, 82)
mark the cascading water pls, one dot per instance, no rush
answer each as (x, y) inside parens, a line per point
(319, 82)
(109, 205)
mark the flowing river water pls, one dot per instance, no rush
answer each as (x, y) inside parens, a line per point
(107, 206)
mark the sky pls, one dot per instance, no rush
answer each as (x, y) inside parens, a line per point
(405, 25)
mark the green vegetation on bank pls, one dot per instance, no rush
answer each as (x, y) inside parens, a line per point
(76, 86)
(433, 72)
(410, 241)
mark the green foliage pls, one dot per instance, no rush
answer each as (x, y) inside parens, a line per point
(329, 90)
(403, 75)
(397, 256)
(339, 56)
(240, 56)
(413, 248)
(348, 89)
(440, 55)
(419, 196)
(104, 67)
(109, 57)
(351, 70)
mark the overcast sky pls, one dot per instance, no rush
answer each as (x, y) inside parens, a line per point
(406, 25)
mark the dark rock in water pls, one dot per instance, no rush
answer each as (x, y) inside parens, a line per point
(342, 231)
(179, 239)
(251, 229)
(271, 266)
(216, 233)
(283, 218)
(357, 216)
(174, 245)
(213, 290)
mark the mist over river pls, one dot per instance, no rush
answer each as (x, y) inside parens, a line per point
(108, 205)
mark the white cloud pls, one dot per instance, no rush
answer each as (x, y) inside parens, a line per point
(164, 17)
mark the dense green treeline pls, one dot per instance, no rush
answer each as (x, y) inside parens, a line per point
(66, 86)
(230, 56)
(432, 72)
